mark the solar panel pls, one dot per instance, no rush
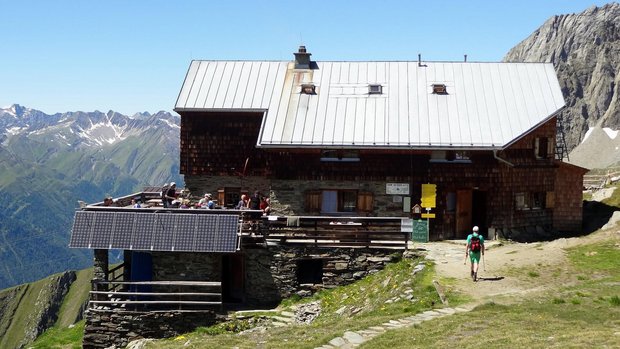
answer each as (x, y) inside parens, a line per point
(142, 238)
(155, 231)
(163, 231)
(102, 230)
(184, 235)
(216, 233)
(80, 233)
(122, 230)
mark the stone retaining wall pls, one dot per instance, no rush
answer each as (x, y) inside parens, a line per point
(272, 274)
(106, 329)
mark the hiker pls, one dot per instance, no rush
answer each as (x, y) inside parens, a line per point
(474, 249)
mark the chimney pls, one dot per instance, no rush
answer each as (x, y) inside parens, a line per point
(302, 58)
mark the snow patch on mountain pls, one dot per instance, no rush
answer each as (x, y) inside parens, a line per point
(90, 129)
(611, 133)
(172, 125)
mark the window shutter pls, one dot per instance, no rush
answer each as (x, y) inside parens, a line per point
(221, 197)
(313, 201)
(364, 202)
(550, 201)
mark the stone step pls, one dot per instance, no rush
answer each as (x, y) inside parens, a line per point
(353, 337)
(282, 318)
(287, 314)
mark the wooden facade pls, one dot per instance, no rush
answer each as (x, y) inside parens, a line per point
(519, 191)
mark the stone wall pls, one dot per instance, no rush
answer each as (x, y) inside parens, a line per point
(272, 274)
(182, 266)
(105, 329)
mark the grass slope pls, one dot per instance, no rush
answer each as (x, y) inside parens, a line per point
(24, 311)
(585, 314)
(368, 302)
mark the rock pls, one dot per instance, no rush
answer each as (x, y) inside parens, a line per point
(138, 344)
(306, 313)
(353, 337)
(583, 48)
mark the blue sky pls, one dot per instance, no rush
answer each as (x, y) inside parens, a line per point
(132, 56)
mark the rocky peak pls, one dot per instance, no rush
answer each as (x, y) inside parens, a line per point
(585, 50)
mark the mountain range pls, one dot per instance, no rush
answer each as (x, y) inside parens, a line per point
(49, 162)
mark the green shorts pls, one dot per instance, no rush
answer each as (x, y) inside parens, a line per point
(474, 257)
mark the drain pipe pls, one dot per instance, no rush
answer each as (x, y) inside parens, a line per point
(502, 160)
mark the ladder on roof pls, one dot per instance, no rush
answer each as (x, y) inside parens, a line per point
(561, 151)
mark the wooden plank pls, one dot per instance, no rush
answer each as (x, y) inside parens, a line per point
(173, 283)
(157, 302)
(176, 294)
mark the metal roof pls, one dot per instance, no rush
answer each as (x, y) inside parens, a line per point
(486, 105)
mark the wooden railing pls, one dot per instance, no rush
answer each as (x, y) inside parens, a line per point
(184, 296)
(336, 231)
(116, 274)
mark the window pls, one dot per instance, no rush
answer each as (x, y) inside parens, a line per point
(308, 89)
(440, 89)
(340, 155)
(538, 200)
(533, 200)
(375, 89)
(451, 202)
(521, 201)
(310, 271)
(337, 201)
(229, 197)
(541, 147)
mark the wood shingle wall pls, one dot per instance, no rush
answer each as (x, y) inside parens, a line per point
(215, 147)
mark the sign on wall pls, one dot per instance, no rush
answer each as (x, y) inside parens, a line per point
(397, 188)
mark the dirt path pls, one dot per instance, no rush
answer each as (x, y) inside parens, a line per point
(511, 268)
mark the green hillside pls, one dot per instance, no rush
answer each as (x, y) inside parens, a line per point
(27, 310)
(41, 182)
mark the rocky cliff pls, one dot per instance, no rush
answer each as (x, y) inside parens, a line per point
(585, 50)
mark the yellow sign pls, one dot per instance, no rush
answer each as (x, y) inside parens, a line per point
(428, 215)
(429, 195)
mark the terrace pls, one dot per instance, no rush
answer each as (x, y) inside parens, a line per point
(155, 229)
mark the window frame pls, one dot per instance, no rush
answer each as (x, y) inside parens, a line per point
(360, 201)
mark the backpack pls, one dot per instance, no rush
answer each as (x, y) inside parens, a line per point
(474, 244)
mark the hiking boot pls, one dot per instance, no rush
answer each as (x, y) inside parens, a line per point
(475, 277)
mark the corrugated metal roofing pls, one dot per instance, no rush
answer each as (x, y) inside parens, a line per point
(487, 105)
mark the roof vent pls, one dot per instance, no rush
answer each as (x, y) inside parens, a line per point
(308, 89)
(440, 89)
(302, 58)
(375, 89)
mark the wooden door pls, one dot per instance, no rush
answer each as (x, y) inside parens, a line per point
(463, 212)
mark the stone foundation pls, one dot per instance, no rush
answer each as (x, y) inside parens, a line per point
(106, 329)
(273, 274)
